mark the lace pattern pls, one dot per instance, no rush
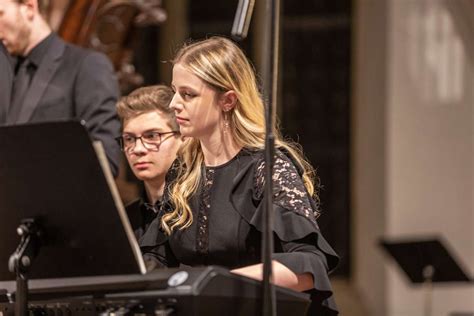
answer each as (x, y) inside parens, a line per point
(202, 240)
(289, 191)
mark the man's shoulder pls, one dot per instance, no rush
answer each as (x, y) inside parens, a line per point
(79, 55)
(87, 63)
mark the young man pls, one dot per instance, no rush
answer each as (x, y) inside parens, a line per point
(150, 140)
(6, 78)
(53, 80)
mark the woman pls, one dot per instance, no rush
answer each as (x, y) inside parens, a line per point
(150, 140)
(216, 216)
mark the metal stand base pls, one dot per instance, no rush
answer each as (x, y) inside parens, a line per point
(21, 260)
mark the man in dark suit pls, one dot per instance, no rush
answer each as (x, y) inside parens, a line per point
(6, 80)
(53, 80)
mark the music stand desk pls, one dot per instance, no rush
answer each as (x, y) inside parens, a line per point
(52, 174)
(416, 256)
(426, 262)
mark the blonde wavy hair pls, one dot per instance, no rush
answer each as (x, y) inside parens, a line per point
(222, 65)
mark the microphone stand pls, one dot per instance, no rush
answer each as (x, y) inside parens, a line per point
(242, 18)
(270, 87)
(270, 76)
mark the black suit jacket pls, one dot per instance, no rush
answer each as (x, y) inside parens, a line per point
(74, 83)
(6, 81)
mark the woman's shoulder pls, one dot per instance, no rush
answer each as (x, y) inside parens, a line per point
(285, 170)
(282, 158)
(289, 191)
(256, 157)
(251, 166)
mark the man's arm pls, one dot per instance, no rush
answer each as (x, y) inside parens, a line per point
(96, 93)
(6, 82)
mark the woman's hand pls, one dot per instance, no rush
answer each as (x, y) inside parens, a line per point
(282, 276)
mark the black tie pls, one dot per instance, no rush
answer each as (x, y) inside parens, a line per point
(20, 87)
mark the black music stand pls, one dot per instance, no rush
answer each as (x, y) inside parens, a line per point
(58, 194)
(426, 261)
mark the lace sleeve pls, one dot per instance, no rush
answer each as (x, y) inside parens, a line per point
(289, 191)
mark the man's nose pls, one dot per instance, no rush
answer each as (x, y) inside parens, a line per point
(139, 148)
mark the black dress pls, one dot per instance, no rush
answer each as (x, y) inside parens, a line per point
(227, 224)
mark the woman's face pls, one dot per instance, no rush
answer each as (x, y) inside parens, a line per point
(151, 164)
(195, 104)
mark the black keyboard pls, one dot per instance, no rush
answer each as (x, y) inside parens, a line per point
(191, 291)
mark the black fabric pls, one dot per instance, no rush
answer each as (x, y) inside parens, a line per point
(21, 82)
(25, 70)
(141, 214)
(234, 227)
(145, 221)
(289, 224)
(6, 80)
(70, 83)
(38, 53)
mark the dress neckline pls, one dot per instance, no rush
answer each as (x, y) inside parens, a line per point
(226, 163)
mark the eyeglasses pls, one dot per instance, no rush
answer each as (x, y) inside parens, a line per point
(151, 140)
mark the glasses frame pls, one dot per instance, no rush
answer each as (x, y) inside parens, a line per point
(147, 145)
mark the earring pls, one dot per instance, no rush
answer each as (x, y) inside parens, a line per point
(226, 122)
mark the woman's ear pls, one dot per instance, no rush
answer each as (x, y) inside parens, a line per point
(228, 100)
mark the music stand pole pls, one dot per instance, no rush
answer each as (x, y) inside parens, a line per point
(270, 80)
(428, 273)
(270, 86)
(21, 261)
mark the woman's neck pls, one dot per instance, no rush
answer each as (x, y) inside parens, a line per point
(219, 148)
(154, 189)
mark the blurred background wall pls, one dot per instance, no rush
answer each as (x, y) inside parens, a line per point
(412, 145)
